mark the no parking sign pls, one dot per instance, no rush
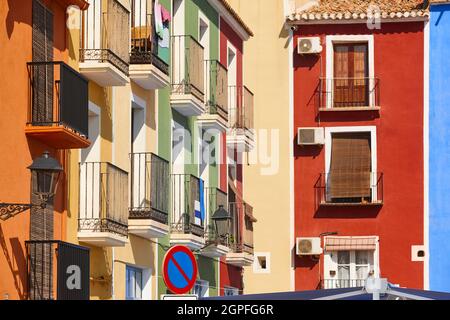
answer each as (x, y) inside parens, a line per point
(180, 269)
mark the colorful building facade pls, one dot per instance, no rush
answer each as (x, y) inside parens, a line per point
(359, 148)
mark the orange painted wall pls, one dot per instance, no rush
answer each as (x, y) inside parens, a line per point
(17, 152)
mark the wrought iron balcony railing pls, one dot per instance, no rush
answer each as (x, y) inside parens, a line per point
(188, 205)
(187, 67)
(144, 45)
(102, 36)
(241, 239)
(215, 198)
(103, 198)
(150, 187)
(349, 189)
(241, 107)
(216, 88)
(58, 97)
(47, 263)
(349, 93)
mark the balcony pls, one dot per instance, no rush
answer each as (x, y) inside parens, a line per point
(216, 116)
(348, 189)
(58, 110)
(349, 94)
(342, 283)
(103, 217)
(147, 69)
(50, 264)
(104, 53)
(241, 106)
(188, 93)
(188, 203)
(241, 239)
(217, 240)
(150, 187)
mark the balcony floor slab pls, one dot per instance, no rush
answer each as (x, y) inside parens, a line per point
(104, 73)
(148, 76)
(102, 239)
(147, 228)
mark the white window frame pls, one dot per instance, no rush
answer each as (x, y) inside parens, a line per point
(257, 267)
(330, 41)
(373, 146)
(330, 265)
(204, 288)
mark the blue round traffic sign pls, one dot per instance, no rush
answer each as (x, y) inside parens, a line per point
(179, 269)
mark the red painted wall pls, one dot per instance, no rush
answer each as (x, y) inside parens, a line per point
(399, 223)
(230, 275)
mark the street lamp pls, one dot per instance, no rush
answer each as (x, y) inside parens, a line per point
(45, 172)
(222, 222)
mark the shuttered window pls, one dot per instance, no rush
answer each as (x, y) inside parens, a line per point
(42, 51)
(350, 170)
(351, 81)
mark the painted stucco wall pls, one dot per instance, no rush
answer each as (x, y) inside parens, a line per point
(266, 73)
(439, 157)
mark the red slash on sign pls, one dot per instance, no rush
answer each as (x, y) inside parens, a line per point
(179, 269)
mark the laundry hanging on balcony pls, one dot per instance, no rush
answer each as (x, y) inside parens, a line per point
(200, 205)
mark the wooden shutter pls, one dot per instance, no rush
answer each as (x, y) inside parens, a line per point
(351, 75)
(350, 172)
(42, 50)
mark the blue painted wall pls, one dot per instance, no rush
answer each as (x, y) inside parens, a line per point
(439, 157)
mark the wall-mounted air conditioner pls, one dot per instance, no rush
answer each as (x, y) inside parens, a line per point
(308, 247)
(309, 45)
(310, 136)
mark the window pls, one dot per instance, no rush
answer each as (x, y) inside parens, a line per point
(133, 283)
(261, 263)
(201, 288)
(351, 87)
(231, 291)
(349, 178)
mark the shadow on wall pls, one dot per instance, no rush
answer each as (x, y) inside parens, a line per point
(347, 212)
(17, 265)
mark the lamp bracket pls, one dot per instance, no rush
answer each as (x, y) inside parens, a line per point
(9, 210)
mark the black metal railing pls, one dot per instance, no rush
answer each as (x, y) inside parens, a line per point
(187, 192)
(216, 88)
(102, 36)
(103, 198)
(349, 188)
(150, 187)
(187, 67)
(342, 283)
(58, 96)
(241, 107)
(50, 263)
(335, 93)
(241, 239)
(144, 45)
(216, 198)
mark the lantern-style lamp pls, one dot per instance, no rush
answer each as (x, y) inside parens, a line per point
(222, 221)
(45, 171)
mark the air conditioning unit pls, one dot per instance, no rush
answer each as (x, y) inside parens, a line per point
(310, 136)
(310, 45)
(308, 247)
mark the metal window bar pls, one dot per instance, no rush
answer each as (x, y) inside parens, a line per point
(45, 259)
(216, 88)
(102, 36)
(187, 66)
(375, 190)
(214, 199)
(185, 191)
(103, 198)
(349, 93)
(241, 104)
(150, 187)
(242, 228)
(144, 41)
(64, 103)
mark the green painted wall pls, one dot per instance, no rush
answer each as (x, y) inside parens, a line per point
(208, 268)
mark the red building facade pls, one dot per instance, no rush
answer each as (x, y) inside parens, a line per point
(359, 183)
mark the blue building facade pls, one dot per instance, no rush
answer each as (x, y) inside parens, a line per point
(439, 147)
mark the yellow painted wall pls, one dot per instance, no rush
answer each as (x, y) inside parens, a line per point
(115, 135)
(265, 60)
